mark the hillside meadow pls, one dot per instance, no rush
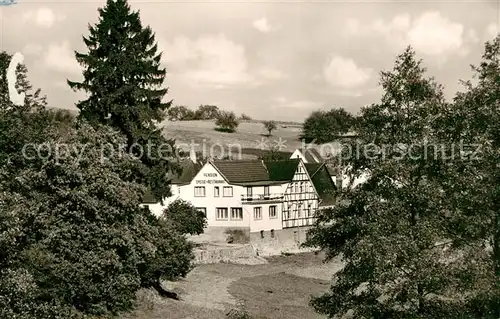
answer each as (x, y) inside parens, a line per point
(202, 135)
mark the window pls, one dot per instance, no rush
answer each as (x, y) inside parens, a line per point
(272, 211)
(291, 186)
(222, 213)
(266, 191)
(249, 191)
(311, 188)
(228, 191)
(296, 187)
(202, 209)
(199, 191)
(257, 213)
(301, 187)
(236, 213)
(216, 191)
(299, 211)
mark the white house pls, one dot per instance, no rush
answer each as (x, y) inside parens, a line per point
(255, 194)
(341, 176)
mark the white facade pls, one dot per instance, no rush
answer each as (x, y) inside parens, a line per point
(301, 200)
(346, 178)
(298, 154)
(228, 205)
(259, 206)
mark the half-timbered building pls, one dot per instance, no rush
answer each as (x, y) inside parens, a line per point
(255, 194)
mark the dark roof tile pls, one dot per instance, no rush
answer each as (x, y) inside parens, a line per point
(322, 182)
(189, 171)
(282, 170)
(242, 171)
(316, 154)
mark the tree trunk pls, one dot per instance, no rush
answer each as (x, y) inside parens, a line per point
(165, 293)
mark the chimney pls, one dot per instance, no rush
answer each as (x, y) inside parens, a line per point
(339, 177)
(338, 181)
(192, 155)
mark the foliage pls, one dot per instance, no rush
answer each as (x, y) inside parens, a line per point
(325, 126)
(244, 117)
(182, 113)
(206, 112)
(74, 242)
(407, 252)
(184, 217)
(273, 154)
(237, 236)
(227, 121)
(83, 240)
(270, 126)
(32, 100)
(124, 82)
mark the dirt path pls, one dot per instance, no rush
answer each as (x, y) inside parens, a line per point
(280, 289)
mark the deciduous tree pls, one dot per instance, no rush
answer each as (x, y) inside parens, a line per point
(326, 126)
(227, 121)
(270, 126)
(394, 230)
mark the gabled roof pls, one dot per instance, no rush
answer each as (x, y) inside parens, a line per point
(189, 171)
(322, 182)
(332, 169)
(314, 152)
(311, 155)
(257, 172)
(282, 170)
(242, 171)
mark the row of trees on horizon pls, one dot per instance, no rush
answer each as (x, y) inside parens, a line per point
(420, 239)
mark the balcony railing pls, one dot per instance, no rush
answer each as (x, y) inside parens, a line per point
(261, 197)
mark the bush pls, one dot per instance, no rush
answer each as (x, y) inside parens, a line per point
(245, 117)
(237, 236)
(326, 126)
(185, 218)
(227, 122)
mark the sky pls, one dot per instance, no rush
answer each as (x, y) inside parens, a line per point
(276, 60)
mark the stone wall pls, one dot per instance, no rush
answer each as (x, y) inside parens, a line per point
(219, 235)
(240, 254)
(287, 240)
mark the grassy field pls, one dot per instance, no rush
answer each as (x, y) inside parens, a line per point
(248, 135)
(280, 289)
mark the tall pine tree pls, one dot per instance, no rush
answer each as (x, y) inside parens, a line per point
(124, 79)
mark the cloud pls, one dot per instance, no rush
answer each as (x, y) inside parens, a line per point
(343, 73)
(32, 49)
(263, 25)
(271, 74)
(433, 34)
(491, 31)
(60, 57)
(212, 60)
(283, 102)
(43, 17)
(429, 34)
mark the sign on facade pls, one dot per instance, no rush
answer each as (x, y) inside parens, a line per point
(210, 181)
